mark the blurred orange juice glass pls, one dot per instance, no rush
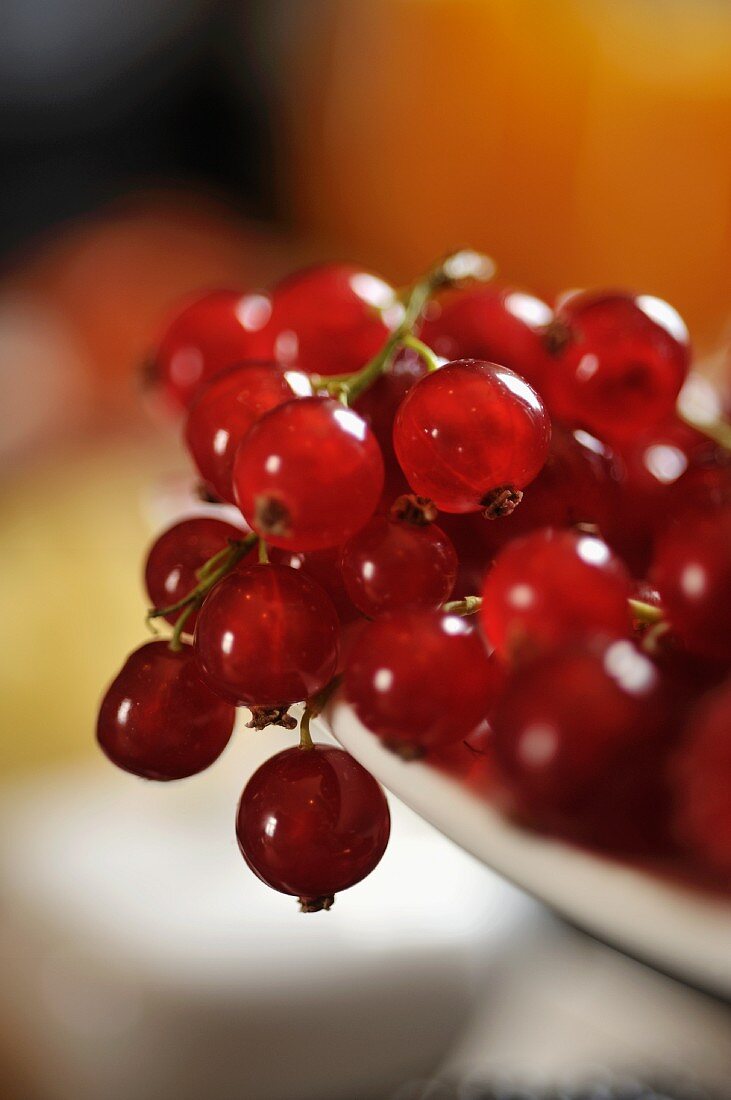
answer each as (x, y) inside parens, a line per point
(579, 141)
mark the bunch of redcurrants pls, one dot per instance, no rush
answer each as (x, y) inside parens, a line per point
(481, 519)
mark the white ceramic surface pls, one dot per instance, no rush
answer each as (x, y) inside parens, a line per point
(142, 959)
(677, 929)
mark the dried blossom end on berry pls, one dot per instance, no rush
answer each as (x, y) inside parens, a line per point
(501, 502)
(262, 717)
(410, 508)
(317, 905)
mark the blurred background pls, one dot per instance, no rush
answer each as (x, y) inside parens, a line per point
(149, 149)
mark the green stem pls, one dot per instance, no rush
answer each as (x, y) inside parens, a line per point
(453, 270)
(426, 353)
(645, 612)
(313, 707)
(263, 553)
(209, 574)
(468, 606)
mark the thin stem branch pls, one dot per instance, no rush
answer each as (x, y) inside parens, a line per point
(209, 574)
(263, 553)
(426, 353)
(645, 612)
(315, 706)
(468, 606)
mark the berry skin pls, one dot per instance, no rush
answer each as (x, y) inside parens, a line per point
(267, 636)
(390, 565)
(468, 430)
(580, 743)
(308, 475)
(176, 555)
(209, 334)
(330, 318)
(494, 323)
(322, 566)
(158, 719)
(222, 413)
(312, 822)
(620, 361)
(552, 587)
(692, 573)
(419, 679)
(702, 781)
(576, 485)
(664, 472)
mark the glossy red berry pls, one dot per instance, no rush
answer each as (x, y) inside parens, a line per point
(494, 323)
(159, 720)
(581, 744)
(312, 822)
(577, 485)
(177, 554)
(222, 413)
(330, 318)
(664, 472)
(620, 361)
(378, 406)
(392, 565)
(209, 334)
(419, 679)
(552, 587)
(692, 573)
(322, 566)
(702, 781)
(308, 474)
(468, 431)
(267, 636)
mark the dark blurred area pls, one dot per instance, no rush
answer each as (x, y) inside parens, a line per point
(100, 99)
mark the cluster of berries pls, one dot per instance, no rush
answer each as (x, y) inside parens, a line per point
(575, 643)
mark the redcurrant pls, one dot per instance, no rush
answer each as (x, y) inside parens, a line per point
(470, 436)
(420, 679)
(177, 554)
(308, 474)
(391, 565)
(620, 360)
(312, 822)
(552, 587)
(267, 636)
(159, 720)
(223, 411)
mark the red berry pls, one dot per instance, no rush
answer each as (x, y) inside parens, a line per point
(391, 565)
(665, 471)
(312, 822)
(322, 566)
(469, 430)
(620, 361)
(551, 587)
(579, 740)
(420, 679)
(308, 474)
(378, 406)
(576, 485)
(222, 413)
(330, 318)
(692, 573)
(494, 323)
(267, 636)
(702, 778)
(176, 555)
(159, 720)
(215, 331)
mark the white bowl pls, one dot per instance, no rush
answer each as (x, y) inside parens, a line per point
(141, 958)
(675, 928)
